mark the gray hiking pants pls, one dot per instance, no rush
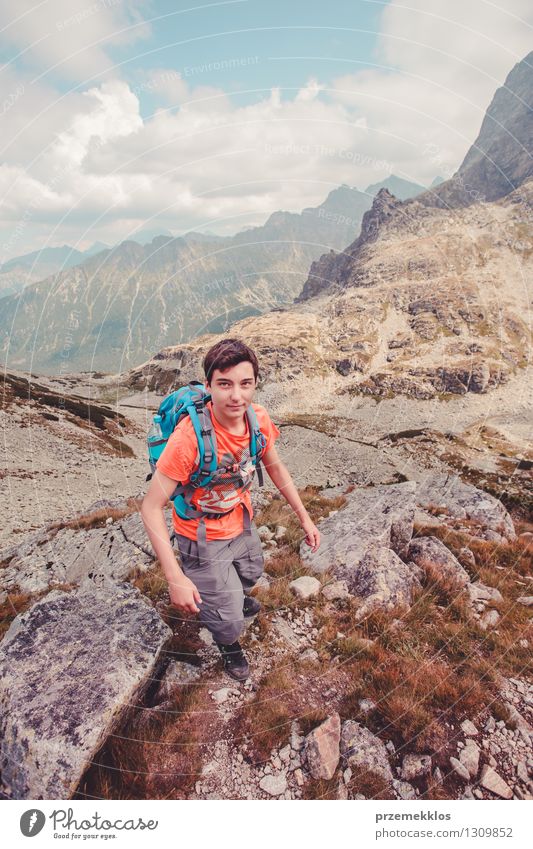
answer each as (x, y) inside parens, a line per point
(232, 568)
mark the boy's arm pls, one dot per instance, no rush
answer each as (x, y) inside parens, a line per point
(280, 476)
(183, 592)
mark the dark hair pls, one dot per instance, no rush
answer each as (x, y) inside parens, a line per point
(228, 353)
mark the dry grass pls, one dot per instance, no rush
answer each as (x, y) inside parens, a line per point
(18, 602)
(156, 754)
(369, 784)
(278, 512)
(98, 518)
(266, 720)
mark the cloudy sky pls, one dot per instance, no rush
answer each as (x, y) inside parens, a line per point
(186, 115)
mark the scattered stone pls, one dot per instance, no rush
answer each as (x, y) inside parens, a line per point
(280, 532)
(404, 789)
(414, 766)
(469, 757)
(469, 728)
(284, 630)
(490, 724)
(522, 771)
(299, 776)
(526, 600)
(309, 654)
(177, 674)
(424, 550)
(481, 592)
(361, 748)
(305, 587)
(490, 780)
(285, 754)
(460, 769)
(322, 748)
(468, 555)
(489, 619)
(367, 705)
(274, 785)
(265, 533)
(222, 695)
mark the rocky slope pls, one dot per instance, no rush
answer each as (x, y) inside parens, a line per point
(323, 731)
(500, 159)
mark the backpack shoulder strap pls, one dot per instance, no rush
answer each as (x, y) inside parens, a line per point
(257, 442)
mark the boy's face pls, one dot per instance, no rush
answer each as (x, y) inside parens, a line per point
(232, 389)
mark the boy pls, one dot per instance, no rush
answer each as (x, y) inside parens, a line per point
(222, 560)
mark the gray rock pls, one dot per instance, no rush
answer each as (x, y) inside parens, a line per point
(469, 728)
(309, 654)
(469, 757)
(489, 620)
(479, 592)
(490, 780)
(404, 789)
(522, 771)
(362, 749)
(383, 580)
(373, 518)
(322, 748)
(263, 583)
(490, 724)
(413, 766)
(305, 587)
(431, 550)
(335, 590)
(73, 555)
(177, 675)
(284, 630)
(274, 785)
(71, 667)
(265, 533)
(468, 555)
(222, 695)
(464, 501)
(526, 600)
(460, 769)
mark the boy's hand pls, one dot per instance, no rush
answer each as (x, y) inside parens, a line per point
(312, 537)
(184, 595)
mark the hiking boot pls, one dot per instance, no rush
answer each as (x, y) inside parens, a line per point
(251, 606)
(234, 660)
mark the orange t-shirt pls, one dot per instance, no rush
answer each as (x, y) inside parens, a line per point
(180, 458)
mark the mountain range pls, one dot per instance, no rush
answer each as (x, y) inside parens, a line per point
(117, 307)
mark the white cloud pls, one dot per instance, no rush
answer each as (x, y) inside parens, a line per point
(71, 38)
(442, 63)
(88, 167)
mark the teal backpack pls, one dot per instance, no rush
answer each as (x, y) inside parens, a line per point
(191, 400)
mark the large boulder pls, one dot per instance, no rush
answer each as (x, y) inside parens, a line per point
(463, 501)
(71, 555)
(384, 581)
(374, 517)
(363, 544)
(368, 542)
(431, 550)
(71, 666)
